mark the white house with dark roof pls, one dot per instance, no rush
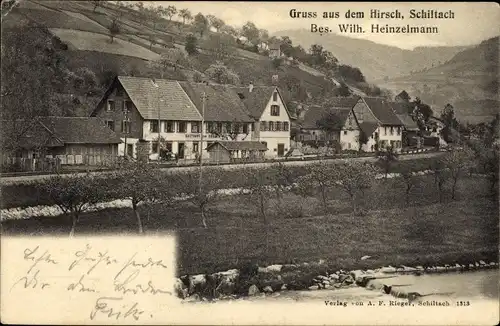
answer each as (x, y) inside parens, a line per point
(140, 111)
(334, 121)
(272, 119)
(371, 112)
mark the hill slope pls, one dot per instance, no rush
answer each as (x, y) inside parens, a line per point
(84, 31)
(375, 60)
(469, 81)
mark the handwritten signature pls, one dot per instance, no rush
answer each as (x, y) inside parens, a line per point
(104, 305)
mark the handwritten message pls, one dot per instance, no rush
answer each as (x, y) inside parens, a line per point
(111, 280)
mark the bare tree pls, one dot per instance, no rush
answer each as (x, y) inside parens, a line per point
(141, 183)
(114, 29)
(457, 162)
(441, 176)
(386, 159)
(354, 178)
(408, 179)
(283, 179)
(221, 46)
(202, 192)
(258, 186)
(74, 194)
(319, 178)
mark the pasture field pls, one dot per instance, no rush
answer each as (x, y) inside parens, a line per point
(100, 42)
(422, 232)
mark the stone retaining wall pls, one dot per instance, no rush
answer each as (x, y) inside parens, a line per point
(254, 280)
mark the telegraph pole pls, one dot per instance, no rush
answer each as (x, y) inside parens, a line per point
(201, 138)
(159, 125)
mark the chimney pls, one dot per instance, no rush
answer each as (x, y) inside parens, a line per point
(250, 87)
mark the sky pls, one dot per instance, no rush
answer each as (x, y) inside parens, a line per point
(473, 22)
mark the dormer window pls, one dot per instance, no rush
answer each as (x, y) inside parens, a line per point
(275, 96)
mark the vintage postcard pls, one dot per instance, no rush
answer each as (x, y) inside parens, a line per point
(253, 163)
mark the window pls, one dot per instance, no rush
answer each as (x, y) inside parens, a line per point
(385, 130)
(271, 126)
(182, 126)
(275, 110)
(285, 126)
(245, 128)
(218, 127)
(196, 147)
(110, 124)
(126, 126)
(228, 126)
(392, 130)
(195, 127)
(263, 126)
(170, 126)
(279, 126)
(153, 126)
(399, 131)
(275, 96)
(127, 106)
(345, 132)
(110, 105)
(154, 147)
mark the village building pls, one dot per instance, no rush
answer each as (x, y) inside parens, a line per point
(236, 151)
(411, 131)
(333, 122)
(275, 50)
(272, 120)
(381, 126)
(72, 140)
(141, 110)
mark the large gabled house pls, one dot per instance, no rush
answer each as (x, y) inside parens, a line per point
(272, 120)
(381, 126)
(141, 110)
(332, 122)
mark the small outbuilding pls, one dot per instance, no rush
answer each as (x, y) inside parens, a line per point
(236, 151)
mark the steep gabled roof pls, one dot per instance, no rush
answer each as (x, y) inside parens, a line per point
(240, 145)
(169, 97)
(222, 103)
(368, 127)
(58, 131)
(341, 106)
(342, 102)
(408, 122)
(317, 113)
(80, 130)
(402, 107)
(27, 134)
(255, 101)
(382, 110)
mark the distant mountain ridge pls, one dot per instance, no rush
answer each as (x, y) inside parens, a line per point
(377, 61)
(469, 81)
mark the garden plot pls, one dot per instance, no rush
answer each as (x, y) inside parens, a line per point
(100, 42)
